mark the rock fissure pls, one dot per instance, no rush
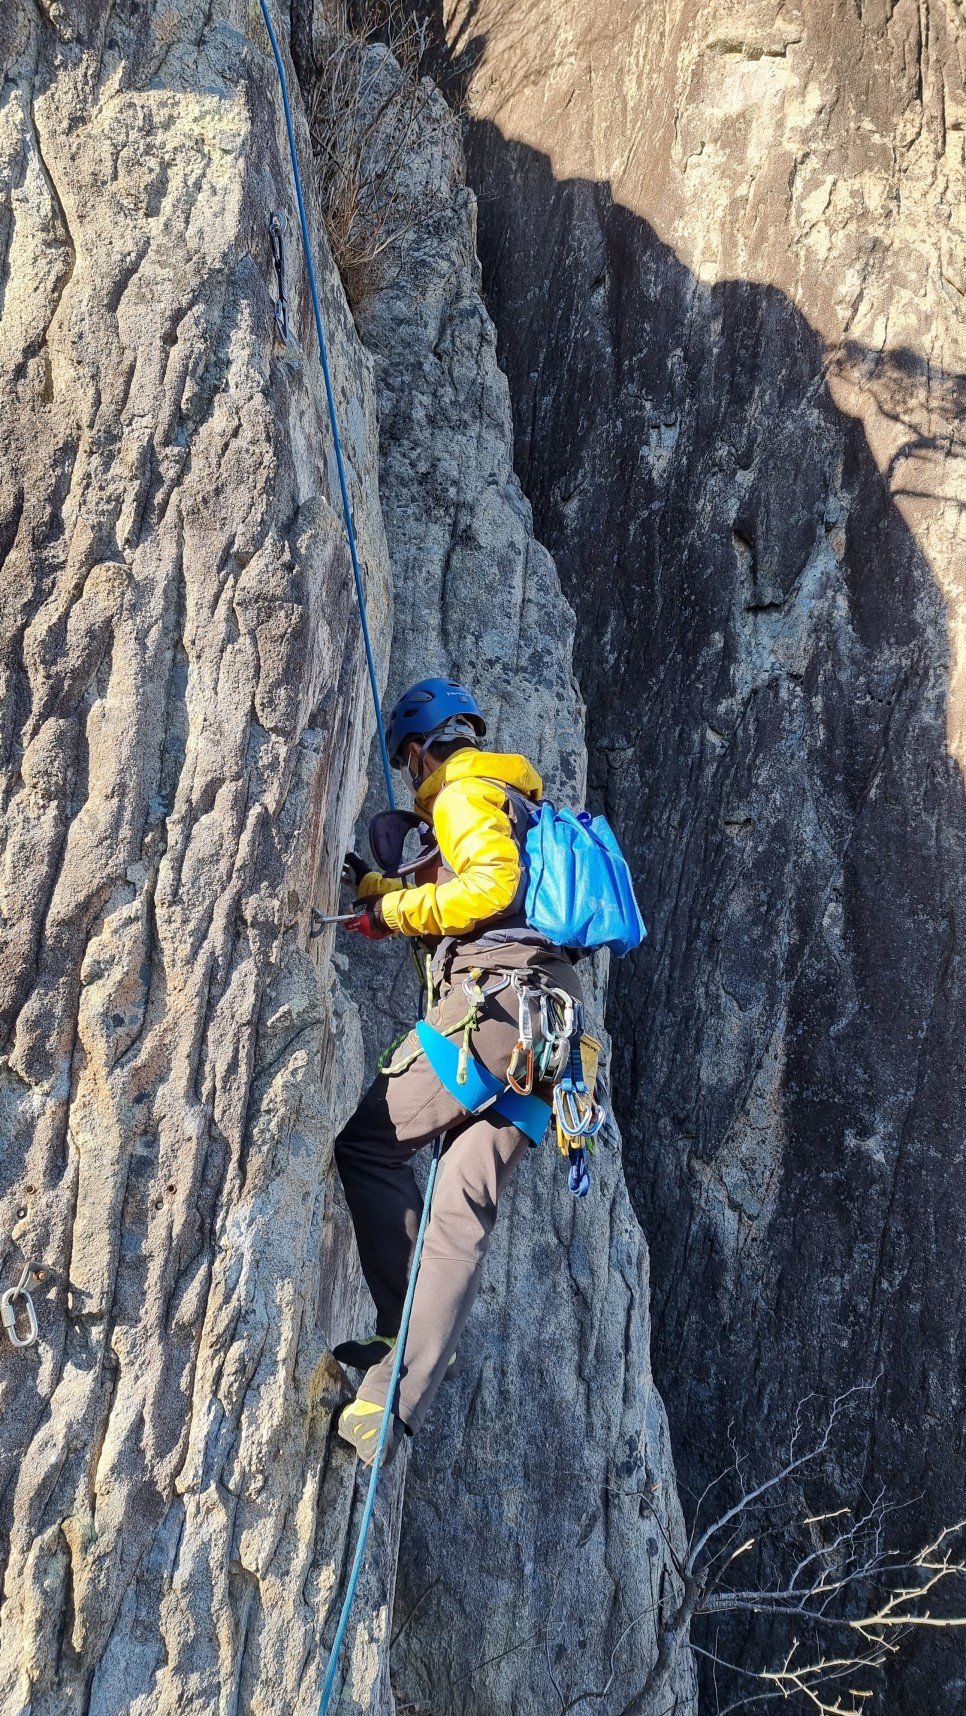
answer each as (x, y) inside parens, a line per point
(182, 1052)
(778, 257)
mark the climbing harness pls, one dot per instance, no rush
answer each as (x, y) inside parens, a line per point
(330, 396)
(552, 1048)
(387, 1063)
(8, 1309)
(277, 224)
(482, 1091)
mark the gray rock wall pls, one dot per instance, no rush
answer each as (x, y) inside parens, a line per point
(184, 710)
(529, 1556)
(184, 719)
(724, 248)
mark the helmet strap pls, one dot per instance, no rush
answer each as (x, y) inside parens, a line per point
(457, 727)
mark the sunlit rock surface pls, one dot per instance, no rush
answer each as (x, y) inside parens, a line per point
(183, 714)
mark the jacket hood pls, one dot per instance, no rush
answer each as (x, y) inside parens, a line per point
(508, 769)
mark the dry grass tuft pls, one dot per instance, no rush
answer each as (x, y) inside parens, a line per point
(362, 118)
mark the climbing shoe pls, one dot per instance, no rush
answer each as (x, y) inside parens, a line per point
(359, 1425)
(362, 1355)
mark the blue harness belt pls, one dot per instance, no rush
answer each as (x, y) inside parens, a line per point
(481, 1089)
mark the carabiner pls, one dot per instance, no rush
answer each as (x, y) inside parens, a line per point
(276, 225)
(8, 1315)
(578, 1114)
(525, 1088)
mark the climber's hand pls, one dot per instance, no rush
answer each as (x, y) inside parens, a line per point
(354, 869)
(368, 921)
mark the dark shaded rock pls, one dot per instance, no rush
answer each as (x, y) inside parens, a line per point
(748, 485)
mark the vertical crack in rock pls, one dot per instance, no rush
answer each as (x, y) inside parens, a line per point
(184, 708)
(527, 1536)
(724, 250)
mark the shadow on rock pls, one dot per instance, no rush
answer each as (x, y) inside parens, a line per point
(765, 655)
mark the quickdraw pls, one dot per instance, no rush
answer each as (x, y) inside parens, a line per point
(524, 1043)
(543, 1050)
(276, 226)
(556, 1049)
(8, 1309)
(578, 1115)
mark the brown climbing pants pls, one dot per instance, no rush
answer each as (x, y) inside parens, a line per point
(397, 1116)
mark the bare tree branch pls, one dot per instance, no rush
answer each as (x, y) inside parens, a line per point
(845, 1581)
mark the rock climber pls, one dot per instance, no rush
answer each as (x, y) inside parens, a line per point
(459, 894)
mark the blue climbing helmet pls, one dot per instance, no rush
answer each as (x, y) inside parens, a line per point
(428, 707)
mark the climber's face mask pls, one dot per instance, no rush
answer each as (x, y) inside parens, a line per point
(401, 842)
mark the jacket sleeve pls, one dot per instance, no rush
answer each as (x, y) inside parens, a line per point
(476, 842)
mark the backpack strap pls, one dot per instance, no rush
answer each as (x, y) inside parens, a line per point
(510, 925)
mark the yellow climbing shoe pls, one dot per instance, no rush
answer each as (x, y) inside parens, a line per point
(359, 1425)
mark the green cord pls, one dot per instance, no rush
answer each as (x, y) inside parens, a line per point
(467, 1025)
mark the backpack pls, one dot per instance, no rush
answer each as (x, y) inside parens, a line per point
(579, 892)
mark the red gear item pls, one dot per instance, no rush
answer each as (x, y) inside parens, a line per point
(368, 921)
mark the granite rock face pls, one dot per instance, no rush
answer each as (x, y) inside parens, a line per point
(184, 709)
(724, 247)
(531, 1564)
(184, 723)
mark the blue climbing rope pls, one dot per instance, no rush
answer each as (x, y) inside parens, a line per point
(333, 417)
(340, 1631)
(337, 1643)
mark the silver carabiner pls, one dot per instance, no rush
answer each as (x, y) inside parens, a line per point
(8, 1314)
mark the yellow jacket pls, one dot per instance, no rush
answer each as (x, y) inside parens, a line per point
(475, 834)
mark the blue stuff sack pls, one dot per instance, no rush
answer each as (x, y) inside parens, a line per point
(579, 888)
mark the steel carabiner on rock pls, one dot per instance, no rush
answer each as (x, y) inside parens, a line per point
(8, 1312)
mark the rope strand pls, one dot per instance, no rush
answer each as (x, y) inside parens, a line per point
(333, 1663)
(337, 1642)
(330, 397)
